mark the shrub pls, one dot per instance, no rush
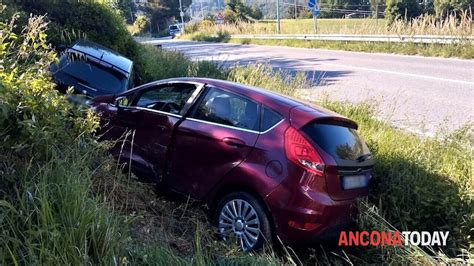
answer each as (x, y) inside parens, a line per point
(444, 8)
(154, 64)
(221, 36)
(264, 76)
(70, 19)
(48, 157)
(140, 25)
(28, 95)
(402, 9)
(191, 28)
(245, 41)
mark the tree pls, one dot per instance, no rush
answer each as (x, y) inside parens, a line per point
(141, 23)
(236, 10)
(444, 8)
(256, 12)
(301, 12)
(163, 12)
(127, 9)
(402, 9)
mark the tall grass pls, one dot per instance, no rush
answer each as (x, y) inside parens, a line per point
(52, 217)
(459, 25)
(71, 206)
(463, 49)
(155, 63)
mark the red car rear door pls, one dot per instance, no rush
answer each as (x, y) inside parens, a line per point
(216, 137)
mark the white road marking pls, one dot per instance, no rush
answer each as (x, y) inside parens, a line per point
(349, 67)
(401, 73)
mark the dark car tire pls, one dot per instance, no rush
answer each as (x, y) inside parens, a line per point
(264, 235)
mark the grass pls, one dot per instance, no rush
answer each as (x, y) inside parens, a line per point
(461, 50)
(425, 25)
(221, 36)
(460, 27)
(73, 205)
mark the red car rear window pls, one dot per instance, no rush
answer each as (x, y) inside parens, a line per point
(342, 143)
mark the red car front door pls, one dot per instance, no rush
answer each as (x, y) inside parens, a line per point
(217, 136)
(149, 120)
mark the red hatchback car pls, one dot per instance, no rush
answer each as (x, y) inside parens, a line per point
(267, 165)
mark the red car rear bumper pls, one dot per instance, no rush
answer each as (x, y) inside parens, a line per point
(305, 217)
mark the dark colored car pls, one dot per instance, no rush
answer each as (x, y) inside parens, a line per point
(266, 165)
(92, 70)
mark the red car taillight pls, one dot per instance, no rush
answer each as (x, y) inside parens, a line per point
(299, 150)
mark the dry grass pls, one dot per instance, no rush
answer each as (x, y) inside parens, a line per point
(424, 25)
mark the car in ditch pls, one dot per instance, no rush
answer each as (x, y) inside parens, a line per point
(92, 70)
(266, 165)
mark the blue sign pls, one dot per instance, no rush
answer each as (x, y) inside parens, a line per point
(313, 5)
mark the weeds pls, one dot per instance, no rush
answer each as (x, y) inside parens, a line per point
(221, 36)
(459, 26)
(461, 50)
(158, 64)
(71, 206)
(454, 25)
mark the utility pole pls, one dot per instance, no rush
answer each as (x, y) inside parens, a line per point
(181, 13)
(315, 24)
(296, 12)
(202, 14)
(377, 12)
(278, 16)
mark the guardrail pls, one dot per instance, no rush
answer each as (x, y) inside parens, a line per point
(360, 38)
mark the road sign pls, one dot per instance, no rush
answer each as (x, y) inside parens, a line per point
(220, 18)
(313, 5)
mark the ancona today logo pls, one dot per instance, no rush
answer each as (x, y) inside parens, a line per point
(397, 238)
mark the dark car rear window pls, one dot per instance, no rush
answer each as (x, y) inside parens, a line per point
(342, 143)
(94, 75)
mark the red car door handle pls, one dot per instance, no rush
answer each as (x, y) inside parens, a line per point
(162, 128)
(234, 142)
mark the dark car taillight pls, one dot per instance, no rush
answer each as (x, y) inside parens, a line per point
(300, 151)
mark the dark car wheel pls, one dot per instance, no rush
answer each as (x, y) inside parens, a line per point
(242, 217)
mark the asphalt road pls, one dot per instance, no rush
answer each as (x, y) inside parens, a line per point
(419, 94)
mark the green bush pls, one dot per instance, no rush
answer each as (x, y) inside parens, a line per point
(264, 76)
(221, 36)
(153, 63)
(444, 8)
(50, 212)
(28, 95)
(401, 9)
(70, 20)
(48, 157)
